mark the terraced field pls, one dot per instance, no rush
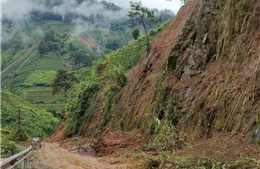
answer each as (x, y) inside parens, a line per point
(42, 97)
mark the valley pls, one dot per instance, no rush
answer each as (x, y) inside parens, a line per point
(183, 93)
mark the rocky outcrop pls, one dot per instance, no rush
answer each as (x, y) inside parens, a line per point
(206, 64)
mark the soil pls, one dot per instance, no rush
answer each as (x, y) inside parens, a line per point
(52, 156)
(225, 147)
(113, 141)
(109, 149)
(87, 40)
(58, 135)
(122, 150)
(84, 153)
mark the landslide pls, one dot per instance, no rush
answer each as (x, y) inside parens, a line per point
(201, 75)
(87, 40)
(199, 82)
(205, 65)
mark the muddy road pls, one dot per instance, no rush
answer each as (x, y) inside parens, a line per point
(52, 156)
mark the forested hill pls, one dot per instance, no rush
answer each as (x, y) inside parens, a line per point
(103, 24)
(40, 37)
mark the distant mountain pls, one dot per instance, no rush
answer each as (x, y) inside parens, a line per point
(40, 37)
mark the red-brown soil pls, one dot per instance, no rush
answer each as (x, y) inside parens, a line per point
(113, 141)
(58, 135)
(218, 141)
(87, 40)
(224, 147)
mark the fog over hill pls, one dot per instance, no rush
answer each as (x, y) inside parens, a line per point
(86, 14)
(160, 4)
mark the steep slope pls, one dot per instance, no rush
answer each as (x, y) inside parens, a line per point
(200, 80)
(198, 86)
(206, 66)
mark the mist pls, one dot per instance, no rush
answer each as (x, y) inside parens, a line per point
(84, 14)
(18, 12)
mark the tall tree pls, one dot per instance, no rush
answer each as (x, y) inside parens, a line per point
(137, 15)
(63, 81)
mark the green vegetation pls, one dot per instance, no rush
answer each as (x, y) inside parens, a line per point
(33, 122)
(102, 81)
(47, 42)
(63, 81)
(190, 162)
(42, 97)
(39, 78)
(138, 15)
(136, 33)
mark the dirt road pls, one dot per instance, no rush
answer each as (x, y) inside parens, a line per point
(52, 156)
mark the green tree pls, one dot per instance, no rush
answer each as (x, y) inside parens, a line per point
(42, 48)
(63, 81)
(137, 15)
(136, 33)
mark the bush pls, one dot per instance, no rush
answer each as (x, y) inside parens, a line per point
(7, 147)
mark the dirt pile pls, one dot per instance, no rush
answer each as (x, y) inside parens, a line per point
(58, 135)
(113, 141)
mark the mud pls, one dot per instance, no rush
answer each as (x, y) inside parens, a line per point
(52, 156)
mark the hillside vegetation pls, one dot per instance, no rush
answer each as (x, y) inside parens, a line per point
(41, 37)
(34, 122)
(58, 35)
(100, 85)
(198, 83)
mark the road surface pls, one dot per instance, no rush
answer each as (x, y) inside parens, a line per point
(52, 156)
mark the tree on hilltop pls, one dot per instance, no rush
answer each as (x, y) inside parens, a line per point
(137, 15)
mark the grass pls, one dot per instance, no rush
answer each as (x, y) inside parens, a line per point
(39, 77)
(101, 83)
(34, 122)
(52, 61)
(42, 97)
(8, 56)
(195, 162)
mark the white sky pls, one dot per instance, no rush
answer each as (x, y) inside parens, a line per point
(173, 5)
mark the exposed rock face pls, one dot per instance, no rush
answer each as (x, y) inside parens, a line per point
(203, 72)
(207, 60)
(255, 137)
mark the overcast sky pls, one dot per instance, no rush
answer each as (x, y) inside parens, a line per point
(173, 5)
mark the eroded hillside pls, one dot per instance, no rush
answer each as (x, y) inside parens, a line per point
(201, 79)
(206, 64)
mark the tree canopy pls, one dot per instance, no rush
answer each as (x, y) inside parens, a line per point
(138, 14)
(63, 81)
